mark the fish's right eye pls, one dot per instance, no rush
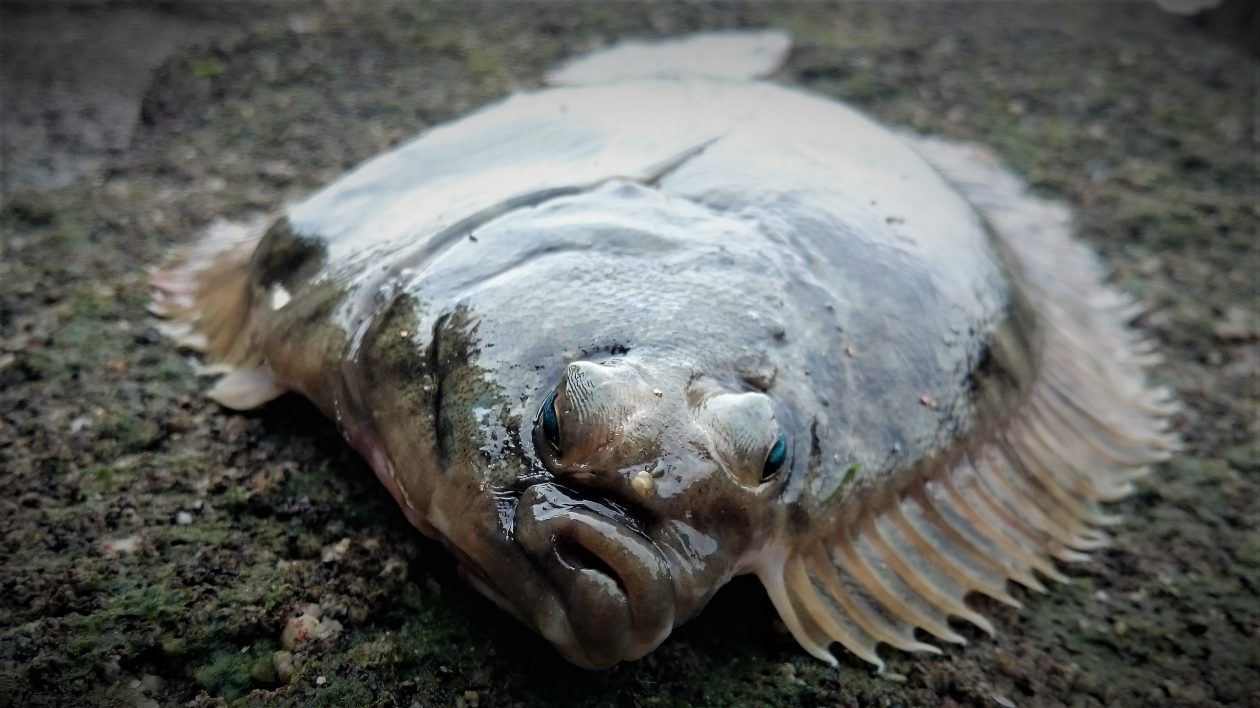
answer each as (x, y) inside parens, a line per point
(550, 421)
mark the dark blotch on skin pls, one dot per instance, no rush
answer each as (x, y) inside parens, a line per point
(283, 257)
(433, 358)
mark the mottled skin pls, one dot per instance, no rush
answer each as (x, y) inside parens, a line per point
(693, 268)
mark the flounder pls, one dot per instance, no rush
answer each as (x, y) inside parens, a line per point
(618, 340)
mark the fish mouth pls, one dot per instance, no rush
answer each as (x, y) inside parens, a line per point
(614, 584)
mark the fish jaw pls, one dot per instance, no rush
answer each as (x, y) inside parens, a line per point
(483, 557)
(611, 577)
(580, 572)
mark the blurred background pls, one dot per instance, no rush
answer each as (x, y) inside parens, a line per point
(74, 73)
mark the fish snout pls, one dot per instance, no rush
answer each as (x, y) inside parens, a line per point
(613, 582)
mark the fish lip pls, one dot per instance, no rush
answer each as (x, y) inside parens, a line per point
(615, 583)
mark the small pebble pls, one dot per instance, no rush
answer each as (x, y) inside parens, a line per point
(643, 484)
(298, 630)
(395, 569)
(308, 626)
(336, 551)
(152, 684)
(121, 546)
(183, 518)
(283, 662)
(321, 681)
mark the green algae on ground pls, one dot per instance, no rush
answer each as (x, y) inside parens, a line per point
(232, 674)
(145, 533)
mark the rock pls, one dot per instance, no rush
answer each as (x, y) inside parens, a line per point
(263, 671)
(284, 664)
(335, 552)
(395, 570)
(151, 684)
(308, 626)
(298, 630)
(1237, 325)
(121, 546)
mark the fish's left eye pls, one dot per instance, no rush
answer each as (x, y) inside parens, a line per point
(775, 458)
(550, 421)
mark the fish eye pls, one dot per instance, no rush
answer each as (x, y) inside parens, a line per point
(775, 458)
(550, 421)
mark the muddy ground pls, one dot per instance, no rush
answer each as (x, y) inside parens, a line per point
(153, 546)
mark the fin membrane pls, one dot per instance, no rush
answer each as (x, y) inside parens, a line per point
(204, 297)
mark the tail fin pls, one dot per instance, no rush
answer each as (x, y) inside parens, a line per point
(735, 54)
(204, 295)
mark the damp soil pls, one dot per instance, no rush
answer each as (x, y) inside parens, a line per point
(154, 547)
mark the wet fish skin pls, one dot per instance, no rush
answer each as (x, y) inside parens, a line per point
(615, 344)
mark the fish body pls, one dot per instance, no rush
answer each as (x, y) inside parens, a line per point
(616, 342)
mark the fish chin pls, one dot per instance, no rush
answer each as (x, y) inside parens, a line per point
(614, 584)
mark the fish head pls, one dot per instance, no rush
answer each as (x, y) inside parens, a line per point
(602, 502)
(600, 465)
(661, 483)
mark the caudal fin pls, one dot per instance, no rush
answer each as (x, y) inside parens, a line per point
(204, 297)
(734, 54)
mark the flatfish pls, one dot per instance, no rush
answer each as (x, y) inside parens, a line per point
(619, 339)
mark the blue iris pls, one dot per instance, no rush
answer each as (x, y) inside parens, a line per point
(776, 458)
(550, 421)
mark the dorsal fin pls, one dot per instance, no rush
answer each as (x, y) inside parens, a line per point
(1015, 499)
(733, 54)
